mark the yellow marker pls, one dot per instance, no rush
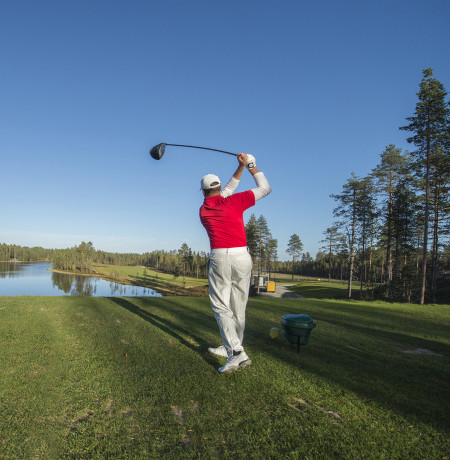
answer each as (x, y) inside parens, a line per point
(274, 332)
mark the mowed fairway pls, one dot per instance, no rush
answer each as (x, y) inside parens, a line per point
(86, 377)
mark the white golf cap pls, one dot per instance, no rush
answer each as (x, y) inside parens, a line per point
(210, 181)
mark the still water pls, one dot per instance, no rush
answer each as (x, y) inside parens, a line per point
(35, 279)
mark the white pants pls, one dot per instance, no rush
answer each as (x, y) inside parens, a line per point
(229, 283)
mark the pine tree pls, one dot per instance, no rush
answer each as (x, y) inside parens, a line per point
(185, 254)
(294, 249)
(404, 233)
(347, 211)
(264, 240)
(393, 166)
(251, 231)
(430, 128)
(366, 217)
(332, 239)
(262, 246)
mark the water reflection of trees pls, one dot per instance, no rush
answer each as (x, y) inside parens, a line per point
(74, 285)
(8, 269)
(87, 286)
(62, 282)
(122, 290)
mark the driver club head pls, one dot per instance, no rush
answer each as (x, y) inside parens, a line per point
(157, 151)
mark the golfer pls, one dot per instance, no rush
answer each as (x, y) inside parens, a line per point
(230, 263)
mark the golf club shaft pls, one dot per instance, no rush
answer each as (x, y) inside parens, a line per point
(204, 148)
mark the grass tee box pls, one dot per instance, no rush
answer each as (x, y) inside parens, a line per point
(87, 377)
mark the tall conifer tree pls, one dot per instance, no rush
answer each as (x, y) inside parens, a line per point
(294, 249)
(430, 128)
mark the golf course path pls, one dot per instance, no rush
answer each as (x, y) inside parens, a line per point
(281, 291)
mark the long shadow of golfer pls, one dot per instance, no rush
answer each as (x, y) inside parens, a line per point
(169, 328)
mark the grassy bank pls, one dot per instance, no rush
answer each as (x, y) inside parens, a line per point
(131, 378)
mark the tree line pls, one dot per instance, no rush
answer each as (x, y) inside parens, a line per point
(13, 252)
(392, 229)
(392, 226)
(180, 262)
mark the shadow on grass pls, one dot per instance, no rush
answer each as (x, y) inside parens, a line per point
(169, 327)
(365, 354)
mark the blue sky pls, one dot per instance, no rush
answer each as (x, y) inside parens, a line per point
(314, 90)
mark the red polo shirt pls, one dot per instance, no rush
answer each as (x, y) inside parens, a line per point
(223, 219)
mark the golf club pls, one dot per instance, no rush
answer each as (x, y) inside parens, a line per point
(157, 151)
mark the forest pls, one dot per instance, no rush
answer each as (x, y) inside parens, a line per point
(393, 224)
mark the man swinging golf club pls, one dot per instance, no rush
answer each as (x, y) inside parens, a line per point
(230, 263)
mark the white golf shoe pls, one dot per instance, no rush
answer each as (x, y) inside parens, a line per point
(235, 362)
(219, 351)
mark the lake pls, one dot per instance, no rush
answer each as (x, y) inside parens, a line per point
(35, 278)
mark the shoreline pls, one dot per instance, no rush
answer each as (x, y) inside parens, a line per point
(68, 272)
(166, 290)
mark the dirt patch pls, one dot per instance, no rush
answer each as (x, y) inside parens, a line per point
(81, 419)
(422, 351)
(109, 406)
(127, 412)
(196, 406)
(332, 413)
(302, 405)
(179, 414)
(302, 401)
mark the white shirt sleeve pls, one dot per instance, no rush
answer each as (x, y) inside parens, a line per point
(230, 187)
(263, 188)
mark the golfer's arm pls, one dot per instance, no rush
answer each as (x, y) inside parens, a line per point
(263, 186)
(233, 182)
(230, 187)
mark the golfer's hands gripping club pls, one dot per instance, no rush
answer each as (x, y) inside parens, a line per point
(251, 162)
(242, 159)
(247, 160)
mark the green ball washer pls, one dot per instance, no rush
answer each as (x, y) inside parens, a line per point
(297, 328)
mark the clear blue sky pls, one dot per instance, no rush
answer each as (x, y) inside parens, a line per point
(314, 90)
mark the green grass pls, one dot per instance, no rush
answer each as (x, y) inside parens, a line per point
(324, 290)
(86, 377)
